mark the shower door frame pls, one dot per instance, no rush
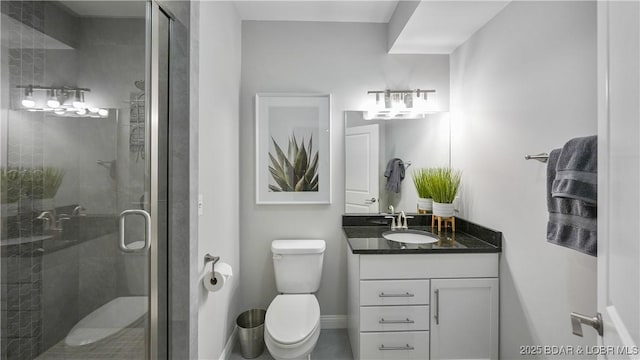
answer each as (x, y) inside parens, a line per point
(158, 307)
(172, 320)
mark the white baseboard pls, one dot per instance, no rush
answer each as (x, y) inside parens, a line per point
(228, 347)
(333, 321)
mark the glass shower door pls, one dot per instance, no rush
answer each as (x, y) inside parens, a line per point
(79, 214)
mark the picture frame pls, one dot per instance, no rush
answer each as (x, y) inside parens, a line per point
(293, 148)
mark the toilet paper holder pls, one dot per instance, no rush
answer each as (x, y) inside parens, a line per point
(211, 259)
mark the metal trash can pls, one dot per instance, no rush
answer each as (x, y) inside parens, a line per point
(251, 332)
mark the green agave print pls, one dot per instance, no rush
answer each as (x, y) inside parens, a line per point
(295, 171)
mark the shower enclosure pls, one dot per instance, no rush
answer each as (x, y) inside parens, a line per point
(84, 156)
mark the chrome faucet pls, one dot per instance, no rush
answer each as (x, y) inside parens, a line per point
(51, 222)
(402, 220)
(401, 224)
(78, 211)
(49, 219)
(392, 209)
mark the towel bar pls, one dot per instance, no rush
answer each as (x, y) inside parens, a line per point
(542, 157)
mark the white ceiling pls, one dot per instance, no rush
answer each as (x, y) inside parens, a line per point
(435, 27)
(378, 11)
(108, 8)
(439, 27)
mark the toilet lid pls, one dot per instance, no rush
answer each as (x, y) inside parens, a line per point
(292, 317)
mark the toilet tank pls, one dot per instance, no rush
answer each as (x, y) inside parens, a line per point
(297, 265)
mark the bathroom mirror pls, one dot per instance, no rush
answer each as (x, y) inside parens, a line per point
(371, 144)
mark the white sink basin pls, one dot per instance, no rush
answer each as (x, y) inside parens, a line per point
(410, 236)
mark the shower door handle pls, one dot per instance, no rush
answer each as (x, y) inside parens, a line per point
(147, 230)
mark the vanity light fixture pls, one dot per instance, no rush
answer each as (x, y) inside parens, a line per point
(401, 104)
(62, 101)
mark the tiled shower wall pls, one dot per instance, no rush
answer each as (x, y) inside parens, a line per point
(23, 62)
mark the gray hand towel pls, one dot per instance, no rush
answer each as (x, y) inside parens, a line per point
(572, 223)
(394, 174)
(577, 170)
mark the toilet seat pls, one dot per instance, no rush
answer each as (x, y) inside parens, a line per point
(292, 318)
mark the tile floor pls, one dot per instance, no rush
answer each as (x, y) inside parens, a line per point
(332, 345)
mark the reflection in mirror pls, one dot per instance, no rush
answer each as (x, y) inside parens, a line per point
(370, 145)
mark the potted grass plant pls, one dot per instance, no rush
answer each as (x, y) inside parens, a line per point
(443, 182)
(9, 191)
(421, 182)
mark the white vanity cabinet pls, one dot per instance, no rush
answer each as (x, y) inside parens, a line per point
(423, 306)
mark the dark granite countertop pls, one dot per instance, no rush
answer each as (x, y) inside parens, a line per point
(364, 235)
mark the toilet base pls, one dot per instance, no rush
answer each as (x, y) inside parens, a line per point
(303, 352)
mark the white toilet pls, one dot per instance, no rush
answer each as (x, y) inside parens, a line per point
(292, 324)
(121, 312)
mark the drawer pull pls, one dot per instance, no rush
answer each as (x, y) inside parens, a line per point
(407, 294)
(407, 321)
(405, 348)
(437, 314)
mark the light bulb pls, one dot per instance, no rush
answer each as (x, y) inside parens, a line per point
(103, 112)
(78, 101)
(59, 111)
(82, 112)
(52, 99)
(28, 102)
(93, 110)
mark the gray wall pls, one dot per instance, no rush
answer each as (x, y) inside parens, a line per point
(526, 83)
(346, 60)
(219, 87)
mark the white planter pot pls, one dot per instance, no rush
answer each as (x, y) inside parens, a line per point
(425, 204)
(443, 210)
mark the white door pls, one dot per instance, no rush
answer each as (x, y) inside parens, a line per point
(464, 319)
(362, 145)
(619, 177)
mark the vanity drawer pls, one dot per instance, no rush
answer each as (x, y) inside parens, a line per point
(394, 318)
(394, 292)
(395, 345)
(421, 266)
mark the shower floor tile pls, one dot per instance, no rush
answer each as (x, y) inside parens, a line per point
(128, 344)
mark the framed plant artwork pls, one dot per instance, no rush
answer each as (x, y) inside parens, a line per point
(293, 148)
